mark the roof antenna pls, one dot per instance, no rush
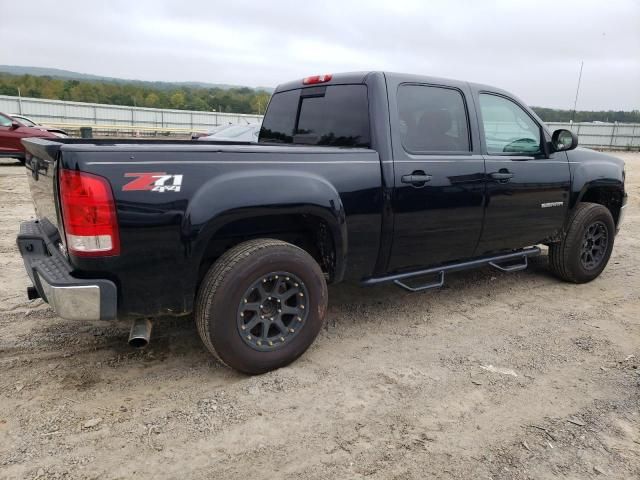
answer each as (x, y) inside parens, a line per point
(575, 103)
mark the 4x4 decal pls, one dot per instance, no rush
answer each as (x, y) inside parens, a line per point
(153, 182)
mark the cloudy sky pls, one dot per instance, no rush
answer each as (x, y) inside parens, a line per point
(532, 48)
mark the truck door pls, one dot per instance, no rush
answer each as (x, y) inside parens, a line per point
(527, 191)
(439, 171)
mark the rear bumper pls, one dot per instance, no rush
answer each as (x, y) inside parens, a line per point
(50, 272)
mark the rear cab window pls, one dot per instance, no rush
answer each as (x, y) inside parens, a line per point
(331, 115)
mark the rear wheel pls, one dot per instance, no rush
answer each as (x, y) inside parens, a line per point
(584, 252)
(261, 305)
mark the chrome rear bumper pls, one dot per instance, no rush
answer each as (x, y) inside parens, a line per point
(50, 272)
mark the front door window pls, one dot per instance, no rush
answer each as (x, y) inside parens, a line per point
(508, 129)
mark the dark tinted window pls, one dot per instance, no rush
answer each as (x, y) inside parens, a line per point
(336, 115)
(280, 120)
(432, 119)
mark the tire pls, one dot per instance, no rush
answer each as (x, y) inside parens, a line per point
(567, 259)
(226, 302)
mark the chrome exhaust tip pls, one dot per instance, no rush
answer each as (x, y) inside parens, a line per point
(140, 333)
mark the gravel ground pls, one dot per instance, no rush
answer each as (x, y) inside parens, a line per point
(501, 376)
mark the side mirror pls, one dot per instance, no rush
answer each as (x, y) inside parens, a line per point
(563, 140)
(15, 125)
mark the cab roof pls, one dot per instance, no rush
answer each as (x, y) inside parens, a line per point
(361, 77)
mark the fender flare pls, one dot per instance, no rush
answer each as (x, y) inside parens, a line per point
(594, 174)
(252, 193)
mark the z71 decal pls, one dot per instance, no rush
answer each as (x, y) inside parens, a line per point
(153, 182)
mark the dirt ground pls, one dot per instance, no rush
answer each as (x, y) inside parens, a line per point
(496, 376)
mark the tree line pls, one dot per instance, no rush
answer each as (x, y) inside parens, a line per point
(185, 97)
(141, 94)
(555, 115)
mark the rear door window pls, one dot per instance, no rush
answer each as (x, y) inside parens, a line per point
(334, 115)
(433, 119)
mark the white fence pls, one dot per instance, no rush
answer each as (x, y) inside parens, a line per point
(613, 136)
(73, 115)
(116, 119)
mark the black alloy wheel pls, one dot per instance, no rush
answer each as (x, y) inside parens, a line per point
(594, 245)
(273, 311)
(261, 305)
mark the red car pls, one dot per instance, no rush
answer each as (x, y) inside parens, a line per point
(12, 131)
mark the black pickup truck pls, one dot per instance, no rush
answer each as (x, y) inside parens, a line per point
(375, 177)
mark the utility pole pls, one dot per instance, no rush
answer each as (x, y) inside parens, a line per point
(575, 103)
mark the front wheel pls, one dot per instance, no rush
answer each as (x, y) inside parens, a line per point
(584, 251)
(261, 305)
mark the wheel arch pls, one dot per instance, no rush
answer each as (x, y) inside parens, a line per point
(597, 178)
(298, 207)
(604, 192)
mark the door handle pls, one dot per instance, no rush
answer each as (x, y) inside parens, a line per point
(417, 178)
(503, 175)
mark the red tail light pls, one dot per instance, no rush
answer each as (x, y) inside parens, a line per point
(89, 214)
(317, 79)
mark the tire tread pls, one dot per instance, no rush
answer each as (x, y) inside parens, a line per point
(217, 275)
(560, 253)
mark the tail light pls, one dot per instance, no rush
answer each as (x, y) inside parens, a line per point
(88, 214)
(317, 79)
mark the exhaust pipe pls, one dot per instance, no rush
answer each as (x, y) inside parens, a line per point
(140, 333)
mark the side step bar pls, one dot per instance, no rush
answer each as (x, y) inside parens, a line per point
(496, 261)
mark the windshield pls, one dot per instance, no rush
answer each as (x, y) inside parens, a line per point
(25, 121)
(336, 115)
(5, 121)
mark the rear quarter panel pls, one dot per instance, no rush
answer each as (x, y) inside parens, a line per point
(164, 234)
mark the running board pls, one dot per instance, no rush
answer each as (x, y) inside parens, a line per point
(494, 261)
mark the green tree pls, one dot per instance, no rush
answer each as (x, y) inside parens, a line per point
(177, 100)
(151, 100)
(259, 102)
(8, 90)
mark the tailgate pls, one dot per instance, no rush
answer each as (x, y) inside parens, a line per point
(40, 161)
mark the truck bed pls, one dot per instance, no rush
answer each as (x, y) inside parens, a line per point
(225, 189)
